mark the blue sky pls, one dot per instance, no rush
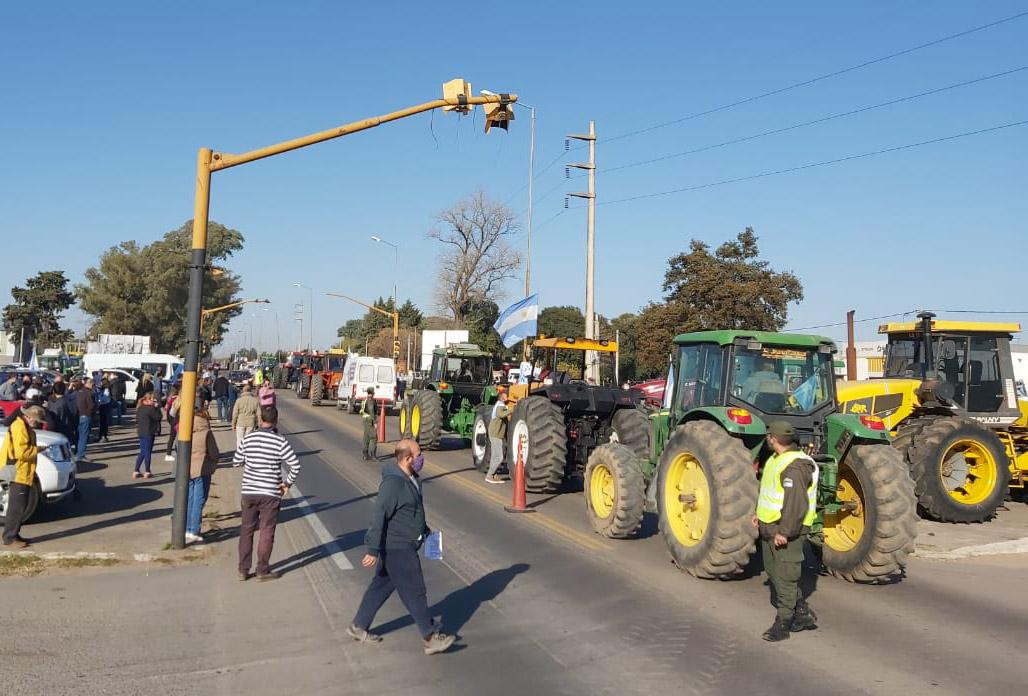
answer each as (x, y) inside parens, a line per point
(105, 105)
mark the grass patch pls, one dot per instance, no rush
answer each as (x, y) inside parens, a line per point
(86, 562)
(20, 564)
(163, 561)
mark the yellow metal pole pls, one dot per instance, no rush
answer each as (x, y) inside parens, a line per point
(224, 160)
(187, 395)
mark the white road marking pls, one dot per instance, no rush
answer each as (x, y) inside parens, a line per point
(327, 540)
(994, 549)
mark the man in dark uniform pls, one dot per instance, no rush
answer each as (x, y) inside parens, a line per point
(369, 445)
(786, 508)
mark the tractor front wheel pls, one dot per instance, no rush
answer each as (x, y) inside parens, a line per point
(404, 419)
(317, 390)
(869, 538)
(706, 496)
(615, 491)
(537, 427)
(961, 470)
(631, 428)
(426, 419)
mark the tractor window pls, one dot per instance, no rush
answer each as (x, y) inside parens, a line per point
(985, 388)
(471, 370)
(335, 364)
(775, 379)
(699, 377)
(950, 356)
(903, 358)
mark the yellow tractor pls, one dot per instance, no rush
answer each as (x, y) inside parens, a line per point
(949, 398)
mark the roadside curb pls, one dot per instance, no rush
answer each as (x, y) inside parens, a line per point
(999, 548)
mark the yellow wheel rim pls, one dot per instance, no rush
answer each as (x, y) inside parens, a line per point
(687, 499)
(845, 528)
(415, 420)
(969, 472)
(601, 491)
(403, 422)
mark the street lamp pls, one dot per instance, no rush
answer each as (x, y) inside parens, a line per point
(396, 266)
(310, 318)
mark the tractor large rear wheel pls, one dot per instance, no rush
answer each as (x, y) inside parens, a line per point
(631, 429)
(317, 390)
(615, 491)
(404, 419)
(961, 470)
(538, 424)
(706, 496)
(869, 539)
(426, 418)
(481, 445)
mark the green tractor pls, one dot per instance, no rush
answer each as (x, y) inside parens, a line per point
(461, 378)
(705, 447)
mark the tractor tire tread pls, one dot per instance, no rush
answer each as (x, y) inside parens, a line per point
(627, 515)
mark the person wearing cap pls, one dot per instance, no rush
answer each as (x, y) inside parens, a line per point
(497, 434)
(19, 448)
(369, 444)
(786, 507)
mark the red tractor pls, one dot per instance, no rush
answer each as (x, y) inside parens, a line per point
(320, 374)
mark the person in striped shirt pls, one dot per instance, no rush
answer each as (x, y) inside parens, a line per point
(263, 454)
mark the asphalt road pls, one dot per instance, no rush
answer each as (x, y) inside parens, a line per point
(543, 605)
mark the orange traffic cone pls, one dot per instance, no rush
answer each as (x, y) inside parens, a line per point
(519, 504)
(382, 422)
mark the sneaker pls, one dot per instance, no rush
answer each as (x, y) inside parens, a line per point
(438, 642)
(136, 474)
(147, 474)
(193, 538)
(243, 577)
(267, 577)
(494, 479)
(802, 622)
(169, 458)
(362, 636)
(779, 630)
(16, 543)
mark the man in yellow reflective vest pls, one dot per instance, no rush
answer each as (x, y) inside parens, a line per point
(786, 507)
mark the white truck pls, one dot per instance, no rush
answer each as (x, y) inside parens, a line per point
(362, 372)
(433, 339)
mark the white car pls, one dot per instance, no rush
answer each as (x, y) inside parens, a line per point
(55, 472)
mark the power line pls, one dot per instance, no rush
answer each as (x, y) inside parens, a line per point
(812, 165)
(856, 321)
(819, 78)
(823, 119)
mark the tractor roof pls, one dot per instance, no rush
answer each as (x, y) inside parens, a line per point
(729, 336)
(462, 350)
(985, 327)
(572, 343)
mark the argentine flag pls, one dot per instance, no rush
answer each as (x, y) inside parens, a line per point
(519, 321)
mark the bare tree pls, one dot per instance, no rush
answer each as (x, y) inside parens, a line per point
(477, 257)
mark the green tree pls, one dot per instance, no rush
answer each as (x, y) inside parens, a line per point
(562, 321)
(410, 315)
(144, 291)
(479, 318)
(728, 289)
(37, 309)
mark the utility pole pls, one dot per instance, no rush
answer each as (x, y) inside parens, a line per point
(531, 181)
(298, 314)
(851, 348)
(591, 365)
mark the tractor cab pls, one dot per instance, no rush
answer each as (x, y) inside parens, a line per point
(961, 364)
(785, 377)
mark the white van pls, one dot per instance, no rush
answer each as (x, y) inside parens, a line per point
(362, 372)
(154, 363)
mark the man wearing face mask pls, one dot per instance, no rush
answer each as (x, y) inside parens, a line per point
(394, 536)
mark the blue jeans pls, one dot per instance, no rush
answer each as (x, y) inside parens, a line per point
(223, 411)
(145, 451)
(119, 410)
(196, 498)
(83, 433)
